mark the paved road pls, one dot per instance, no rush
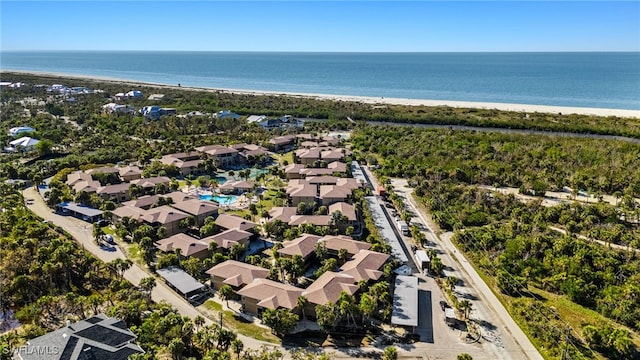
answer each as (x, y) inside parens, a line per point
(83, 233)
(501, 335)
(603, 243)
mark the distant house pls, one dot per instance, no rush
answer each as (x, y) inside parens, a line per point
(237, 187)
(154, 112)
(327, 289)
(235, 274)
(335, 167)
(301, 191)
(294, 171)
(24, 143)
(20, 129)
(222, 155)
(365, 265)
(227, 221)
(325, 154)
(167, 217)
(304, 246)
(116, 193)
(334, 243)
(318, 220)
(127, 211)
(264, 294)
(256, 118)
(227, 239)
(200, 210)
(90, 186)
(154, 97)
(134, 94)
(188, 246)
(112, 108)
(188, 163)
(283, 214)
(97, 337)
(130, 173)
(283, 143)
(347, 210)
(149, 184)
(226, 114)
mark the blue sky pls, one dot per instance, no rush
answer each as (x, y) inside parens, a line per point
(420, 26)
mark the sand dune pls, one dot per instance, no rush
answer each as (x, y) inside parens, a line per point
(379, 100)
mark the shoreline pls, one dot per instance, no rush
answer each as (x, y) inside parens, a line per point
(551, 109)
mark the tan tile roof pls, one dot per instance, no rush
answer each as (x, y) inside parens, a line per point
(130, 170)
(283, 214)
(196, 207)
(345, 209)
(321, 220)
(237, 273)
(151, 182)
(228, 221)
(334, 192)
(188, 246)
(282, 139)
(329, 286)
(301, 189)
(216, 150)
(113, 189)
(130, 212)
(87, 186)
(365, 265)
(337, 166)
(304, 245)
(271, 294)
(78, 176)
(293, 168)
(179, 196)
(336, 243)
(164, 215)
(142, 201)
(228, 238)
(325, 180)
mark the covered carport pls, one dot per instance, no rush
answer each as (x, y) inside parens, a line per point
(85, 213)
(405, 302)
(180, 281)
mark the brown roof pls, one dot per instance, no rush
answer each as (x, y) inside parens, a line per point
(365, 265)
(179, 196)
(142, 201)
(337, 166)
(237, 273)
(271, 294)
(216, 149)
(196, 207)
(329, 286)
(293, 168)
(130, 212)
(130, 170)
(334, 154)
(228, 238)
(283, 214)
(228, 221)
(309, 144)
(78, 176)
(335, 243)
(328, 180)
(312, 153)
(151, 182)
(113, 189)
(188, 246)
(334, 192)
(164, 215)
(304, 245)
(320, 220)
(282, 140)
(345, 209)
(301, 189)
(238, 184)
(87, 186)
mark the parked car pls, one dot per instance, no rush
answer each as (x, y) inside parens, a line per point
(443, 305)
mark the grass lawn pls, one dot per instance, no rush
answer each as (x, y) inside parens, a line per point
(280, 158)
(232, 321)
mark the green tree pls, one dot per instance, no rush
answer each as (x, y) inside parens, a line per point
(390, 353)
(281, 321)
(226, 292)
(464, 356)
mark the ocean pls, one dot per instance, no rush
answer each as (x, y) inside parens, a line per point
(579, 79)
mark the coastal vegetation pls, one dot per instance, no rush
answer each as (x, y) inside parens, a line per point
(515, 243)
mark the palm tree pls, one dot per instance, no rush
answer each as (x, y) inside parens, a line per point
(225, 292)
(198, 321)
(302, 303)
(147, 284)
(465, 306)
(237, 346)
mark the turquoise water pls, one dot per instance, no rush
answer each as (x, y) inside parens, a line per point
(252, 175)
(221, 180)
(580, 79)
(220, 199)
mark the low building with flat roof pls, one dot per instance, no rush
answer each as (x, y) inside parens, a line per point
(405, 302)
(180, 281)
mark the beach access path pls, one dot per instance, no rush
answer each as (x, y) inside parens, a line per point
(82, 232)
(497, 326)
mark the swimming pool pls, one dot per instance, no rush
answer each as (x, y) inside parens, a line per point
(220, 199)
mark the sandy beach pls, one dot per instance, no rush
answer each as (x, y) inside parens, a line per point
(370, 100)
